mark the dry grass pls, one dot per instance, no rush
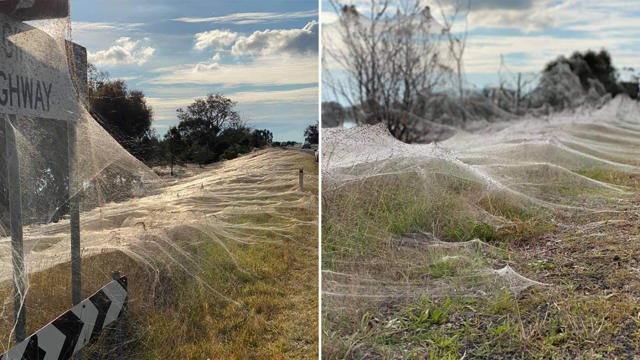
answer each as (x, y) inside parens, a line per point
(591, 261)
(175, 314)
(359, 218)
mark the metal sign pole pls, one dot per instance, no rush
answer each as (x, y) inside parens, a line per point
(79, 73)
(74, 213)
(17, 12)
(15, 210)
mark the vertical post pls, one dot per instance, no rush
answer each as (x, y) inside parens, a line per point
(518, 92)
(120, 329)
(78, 59)
(74, 214)
(301, 179)
(74, 221)
(15, 210)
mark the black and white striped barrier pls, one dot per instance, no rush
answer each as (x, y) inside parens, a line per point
(66, 335)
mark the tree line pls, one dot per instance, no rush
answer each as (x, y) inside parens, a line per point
(208, 130)
(401, 64)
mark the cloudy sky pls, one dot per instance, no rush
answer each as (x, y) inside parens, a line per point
(262, 54)
(530, 33)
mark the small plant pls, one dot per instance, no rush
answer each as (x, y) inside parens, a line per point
(439, 314)
(431, 315)
(440, 268)
(541, 265)
(502, 302)
(505, 327)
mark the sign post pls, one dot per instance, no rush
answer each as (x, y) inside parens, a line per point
(74, 214)
(31, 88)
(15, 214)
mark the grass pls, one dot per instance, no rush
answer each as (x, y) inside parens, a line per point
(589, 311)
(613, 177)
(359, 217)
(173, 313)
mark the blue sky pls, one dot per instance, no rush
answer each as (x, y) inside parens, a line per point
(530, 33)
(262, 54)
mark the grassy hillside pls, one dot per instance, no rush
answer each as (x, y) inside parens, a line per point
(243, 285)
(518, 245)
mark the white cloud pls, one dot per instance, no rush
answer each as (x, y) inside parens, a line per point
(250, 17)
(208, 66)
(101, 26)
(492, 4)
(295, 101)
(124, 51)
(205, 67)
(285, 41)
(215, 38)
(307, 95)
(265, 70)
(125, 78)
(483, 53)
(575, 15)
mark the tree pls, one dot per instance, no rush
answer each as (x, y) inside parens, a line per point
(123, 113)
(176, 146)
(260, 138)
(591, 66)
(209, 130)
(207, 117)
(393, 63)
(311, 134)
(202, 122)
(333, 114)
(457, 43)
(95, 78)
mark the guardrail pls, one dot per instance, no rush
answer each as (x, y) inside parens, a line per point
(73, 330)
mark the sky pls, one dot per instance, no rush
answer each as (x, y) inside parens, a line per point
(261, 54)
(530, 33)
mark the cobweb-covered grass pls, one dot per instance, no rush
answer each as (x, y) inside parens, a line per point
(515, 241)
(221, 264)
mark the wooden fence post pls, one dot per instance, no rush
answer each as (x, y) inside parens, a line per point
(301, 180)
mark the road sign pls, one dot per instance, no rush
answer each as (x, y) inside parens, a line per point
(25, 10)
(34, 75)
(73, 330)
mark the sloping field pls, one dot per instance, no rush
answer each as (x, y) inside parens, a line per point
(221, 264)
(518, 241)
